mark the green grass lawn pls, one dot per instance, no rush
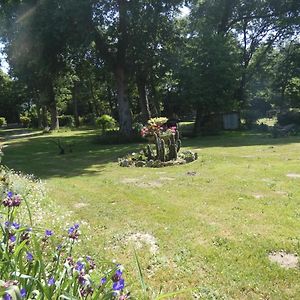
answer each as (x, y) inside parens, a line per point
(215, 220)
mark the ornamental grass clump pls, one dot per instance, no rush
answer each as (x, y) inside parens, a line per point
(37, 264)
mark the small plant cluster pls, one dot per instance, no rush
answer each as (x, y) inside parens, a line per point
(106, 122)
(2, 121)
(159, 127)
(25, 121)
(35, 265)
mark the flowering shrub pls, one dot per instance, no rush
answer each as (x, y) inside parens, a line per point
(158, 126)
(35, 264)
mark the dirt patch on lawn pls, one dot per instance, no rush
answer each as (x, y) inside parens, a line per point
(284, 259)
(143, 239)
(258, 196)
(191, 173)
(293, 175)
(166, 179)
(143, 183)
(80, 205)
(149, 184)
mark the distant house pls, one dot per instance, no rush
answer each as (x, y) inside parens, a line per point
(231, 121)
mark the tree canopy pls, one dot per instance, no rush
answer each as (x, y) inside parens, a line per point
(137, 59)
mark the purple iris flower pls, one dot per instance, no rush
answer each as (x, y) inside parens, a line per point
(10, 194)
(16, 225)
(51, 281)
(7, 296)
(7, 224)
(48, 232)
(119, 285)
(103, 280)
(79, 266)
(23, 292)
(29, 256)
(12, 238)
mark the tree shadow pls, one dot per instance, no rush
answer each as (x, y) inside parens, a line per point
(40, 155)
(238, 139)
(17, 133)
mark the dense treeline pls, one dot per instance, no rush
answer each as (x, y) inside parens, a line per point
(143, 58)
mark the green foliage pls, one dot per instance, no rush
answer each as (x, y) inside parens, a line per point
(106, 122)
(2, 121)
(66, 121)
(290, 117)
(25, 121)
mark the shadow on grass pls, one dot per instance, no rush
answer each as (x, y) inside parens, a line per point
(40, 155)
(238, 139)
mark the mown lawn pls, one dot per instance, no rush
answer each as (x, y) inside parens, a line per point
(215, 220)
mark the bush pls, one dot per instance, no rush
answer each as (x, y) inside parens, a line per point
(88, 119)
(106, 122)
(290, 117)
(250, 117)
(2, 121)
(66, 121)
(25, 121)
(113, 137)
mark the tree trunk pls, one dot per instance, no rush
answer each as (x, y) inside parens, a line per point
(54, 117)
(155, 105)
(125, 119)
(54, 125)
(44, 117)
(75, 106)
(143, 98)
(39, 115)
(199, 119)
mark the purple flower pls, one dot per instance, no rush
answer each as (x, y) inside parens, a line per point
(117, 276)
(7, 296)
(119, 285)
(81, 279)
(103, 280)
(7, 224)
(12, 238)
(73, 232)
(48, 232)
(15, 225)
(79, 266)
(12, 200)
(23, 292)
(51, 281)
(29, 256)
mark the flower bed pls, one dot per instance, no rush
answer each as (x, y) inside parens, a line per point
(167, 145)
(39, 264)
